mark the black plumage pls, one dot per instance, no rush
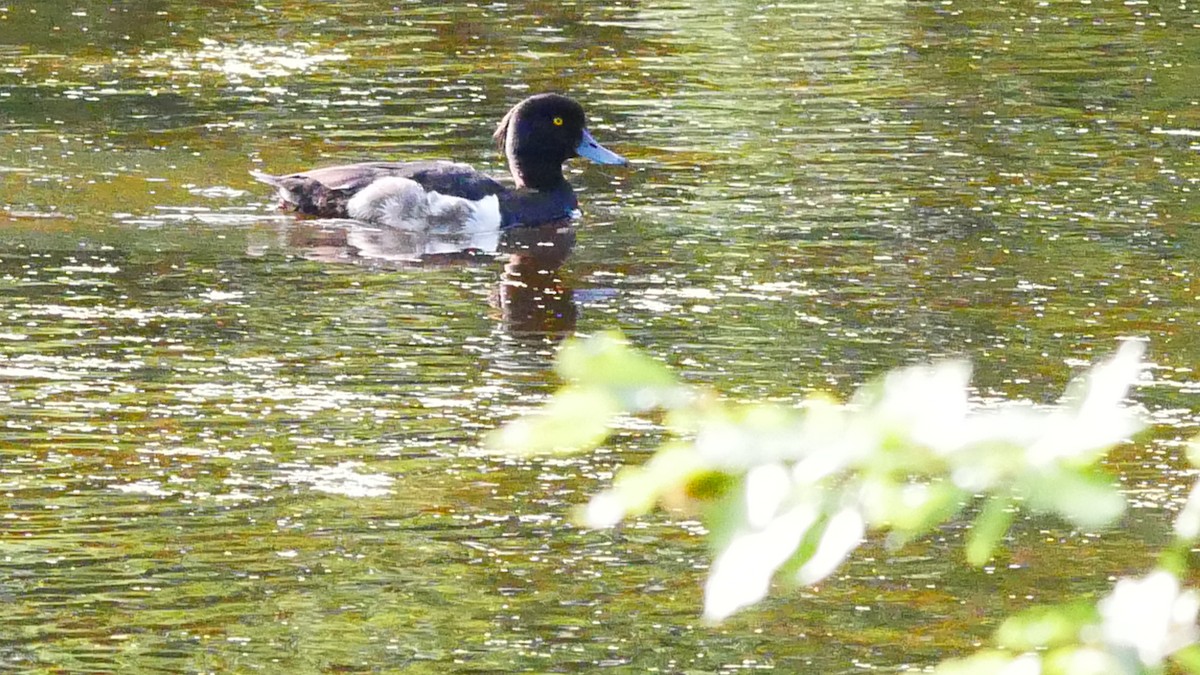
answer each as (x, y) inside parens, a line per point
(537, 136)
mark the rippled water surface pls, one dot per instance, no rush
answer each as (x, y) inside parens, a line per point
(235, 441)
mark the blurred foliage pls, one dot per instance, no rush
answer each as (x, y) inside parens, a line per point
(797, 488)
(791, 492)
(819, 190)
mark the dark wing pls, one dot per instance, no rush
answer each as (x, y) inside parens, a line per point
(448, 178)
(325, 192)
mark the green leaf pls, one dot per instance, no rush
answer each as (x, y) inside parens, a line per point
(1104, 388)
(740, 438)
(741, 573)
(910, 509)
(1076, 660)
(987, 663)
(1046, 627)
(573, 420)
(606, 361)
(725, 517)
(1178, 558)
(710, 486)
(987, 531)
(787, 490)
(636, 490)
(843, 532)
(807, 547)
(1187, 524)
(1193, 452)
(1188, 658)
(1085, 497)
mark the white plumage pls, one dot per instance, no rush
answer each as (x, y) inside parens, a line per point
(450, 223)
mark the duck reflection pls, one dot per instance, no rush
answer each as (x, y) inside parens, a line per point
(531, 296)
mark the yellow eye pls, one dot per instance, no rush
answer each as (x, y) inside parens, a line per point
(558, 121)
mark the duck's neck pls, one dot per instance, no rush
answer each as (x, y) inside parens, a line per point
(536, 173)
(526, 207)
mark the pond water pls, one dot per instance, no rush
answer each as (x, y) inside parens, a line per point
(235, 441)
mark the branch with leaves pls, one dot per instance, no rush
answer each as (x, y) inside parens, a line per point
(792, 491)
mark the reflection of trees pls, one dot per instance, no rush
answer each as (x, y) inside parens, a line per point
(79, 65)
(941, 137)
(1048, 106)
(93, 26)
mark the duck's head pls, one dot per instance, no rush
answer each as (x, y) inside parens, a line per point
(542, 132)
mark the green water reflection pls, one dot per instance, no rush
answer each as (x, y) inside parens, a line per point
(236, 442)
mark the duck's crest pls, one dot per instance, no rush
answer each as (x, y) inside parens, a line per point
(501, 135)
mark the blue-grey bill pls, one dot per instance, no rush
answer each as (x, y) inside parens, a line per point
(590, 149)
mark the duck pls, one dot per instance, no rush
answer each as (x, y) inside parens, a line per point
(537, 136)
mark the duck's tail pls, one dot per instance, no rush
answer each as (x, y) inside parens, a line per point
(303, 194)
(266, 178)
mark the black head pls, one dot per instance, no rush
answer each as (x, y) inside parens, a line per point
(542, 132)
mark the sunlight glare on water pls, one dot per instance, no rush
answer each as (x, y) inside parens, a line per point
(234, 440)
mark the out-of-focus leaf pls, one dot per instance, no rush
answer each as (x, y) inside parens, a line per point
(1092, 416)
(608, 362)
(702, 406)
(925, 406)
(1046, 627)
(710, 486)
(1105, 386)
(1188, 658)
(843, 533)
(792, 490)
(1087, 498)
(1151, 616)
(1193, 452)
(1177, 558)
(635, 490)
(991, 663)
(574, 420)
(725, 518)
(742, 572)
(909, 509)
(1087, 660)
(768, 488)
(996, 448)
(807, 547)
(987, 531)
(744, 437)
(1187, 523)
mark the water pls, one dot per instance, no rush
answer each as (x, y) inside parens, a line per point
(235, 441)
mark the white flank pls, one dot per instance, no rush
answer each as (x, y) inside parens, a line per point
(391, 201)
(446, 224)
(481, 215)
